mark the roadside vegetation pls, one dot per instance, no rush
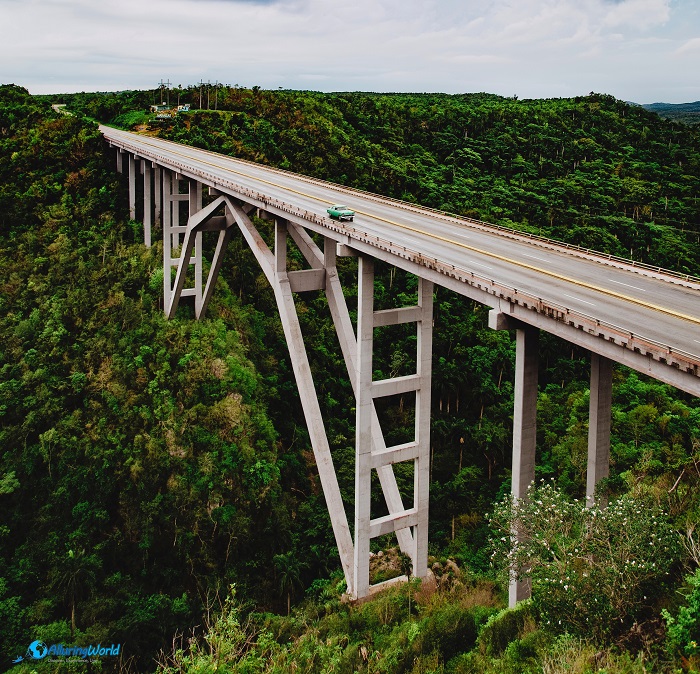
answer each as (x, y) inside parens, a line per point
(157, 487)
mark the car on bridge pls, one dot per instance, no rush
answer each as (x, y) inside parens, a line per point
(340, 212)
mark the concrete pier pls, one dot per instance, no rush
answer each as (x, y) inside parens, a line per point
(599, 425)
(524, 429)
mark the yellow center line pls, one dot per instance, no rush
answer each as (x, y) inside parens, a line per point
(547, 272)
(416, 230)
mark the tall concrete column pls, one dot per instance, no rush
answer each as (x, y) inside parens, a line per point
(524, 429)
(195, 197)
(132, 187)
(147, 205)
(158, 199)
(422, 428)
(599, 425)
(409, 524)
(195, 206)
(167, 236)
(175, 200)
(280, 246)
(363, 423)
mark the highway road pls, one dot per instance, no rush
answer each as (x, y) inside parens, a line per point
(656, 306)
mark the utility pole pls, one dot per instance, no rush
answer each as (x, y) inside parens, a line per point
(208, 88)
(216, 95)
(201, 84)
(164, 84)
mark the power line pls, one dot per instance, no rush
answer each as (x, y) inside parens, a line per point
(164, 84)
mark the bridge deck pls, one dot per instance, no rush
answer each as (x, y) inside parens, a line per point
(645, 318)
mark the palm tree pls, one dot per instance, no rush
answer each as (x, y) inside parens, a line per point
(289, 569)
(74, 577)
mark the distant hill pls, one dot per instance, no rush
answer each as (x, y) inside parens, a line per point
(688, 113)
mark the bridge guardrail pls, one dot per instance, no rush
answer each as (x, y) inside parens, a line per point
(605, 329)
(614, 260)
(645, 345)
(488, 226)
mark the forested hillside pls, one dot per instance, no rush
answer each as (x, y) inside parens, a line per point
(140, 471)
(688, 113)
(148, 465)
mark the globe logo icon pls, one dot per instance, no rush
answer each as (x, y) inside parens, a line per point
(37, 650)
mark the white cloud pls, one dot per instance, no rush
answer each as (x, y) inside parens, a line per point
(638, 14)
(530, 47)
(692, 46)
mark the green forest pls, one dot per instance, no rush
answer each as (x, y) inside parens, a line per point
(157, 484)
(688, 113)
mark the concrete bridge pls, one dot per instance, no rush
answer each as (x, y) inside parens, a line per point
(644, 317)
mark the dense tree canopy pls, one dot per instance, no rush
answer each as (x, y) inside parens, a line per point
(146, 465)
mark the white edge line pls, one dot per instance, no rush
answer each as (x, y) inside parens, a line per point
(626, 284)
(578, 299)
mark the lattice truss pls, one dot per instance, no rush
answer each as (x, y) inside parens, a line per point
(165, 194)
(182, 250)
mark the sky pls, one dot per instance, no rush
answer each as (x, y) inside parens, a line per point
(643, 51)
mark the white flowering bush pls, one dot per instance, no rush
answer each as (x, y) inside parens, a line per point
(591, 569)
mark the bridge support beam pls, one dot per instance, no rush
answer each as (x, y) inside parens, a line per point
(157, 195)
(410, 524)
(200, 220)
(147, 202)
(363, 424)
(132, 186)
(525, 421)
(524, 429)
(273, 266)
(599, 425)
(370, 449)
(172, 230)
(348, 345)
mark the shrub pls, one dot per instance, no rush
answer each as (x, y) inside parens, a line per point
(129, 120)
(505, 627)
(592, 569)
(449, 631)
(683, 630)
